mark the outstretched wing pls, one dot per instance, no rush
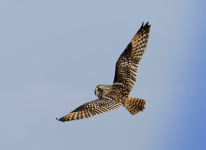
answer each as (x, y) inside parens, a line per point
(128, 63)
(92, 108)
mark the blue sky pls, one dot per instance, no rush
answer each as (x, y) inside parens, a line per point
(54, 53)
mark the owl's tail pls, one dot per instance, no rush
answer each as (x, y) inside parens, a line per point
(134, 105)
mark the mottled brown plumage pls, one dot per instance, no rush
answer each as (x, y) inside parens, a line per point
(114, 96)
(128, 63)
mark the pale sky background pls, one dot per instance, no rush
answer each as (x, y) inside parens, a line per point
(54, 53)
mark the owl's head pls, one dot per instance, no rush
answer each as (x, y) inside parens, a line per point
(102, 90)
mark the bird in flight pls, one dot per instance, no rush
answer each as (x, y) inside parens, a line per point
(114, 96)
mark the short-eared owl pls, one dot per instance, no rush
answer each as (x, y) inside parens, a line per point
(114, 96)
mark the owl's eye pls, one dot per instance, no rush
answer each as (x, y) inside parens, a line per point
(99, 90)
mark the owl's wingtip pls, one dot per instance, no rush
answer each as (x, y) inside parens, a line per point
(60, 119)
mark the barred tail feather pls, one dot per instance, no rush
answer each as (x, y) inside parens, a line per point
(134, 105)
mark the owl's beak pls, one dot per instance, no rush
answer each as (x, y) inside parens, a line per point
(95, 92)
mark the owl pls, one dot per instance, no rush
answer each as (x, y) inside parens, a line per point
(116, 95)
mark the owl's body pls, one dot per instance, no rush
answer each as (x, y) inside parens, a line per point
(114, 96)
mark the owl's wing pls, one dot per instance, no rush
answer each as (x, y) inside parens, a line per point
(128, 63)
(92, 108)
